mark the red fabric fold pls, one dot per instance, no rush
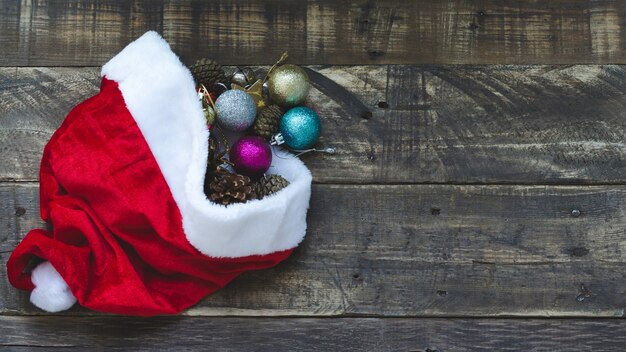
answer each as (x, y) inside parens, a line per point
(117, 237)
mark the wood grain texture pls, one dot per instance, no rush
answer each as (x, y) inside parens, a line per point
(399, 124)
(448, 196)
(88, 32)
(302, 334)
(421, 250)
(34, 103)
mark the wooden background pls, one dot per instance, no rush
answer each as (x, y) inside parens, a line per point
(477, 201)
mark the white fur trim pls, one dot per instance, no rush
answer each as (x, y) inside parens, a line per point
(51, 293)
(160, 94)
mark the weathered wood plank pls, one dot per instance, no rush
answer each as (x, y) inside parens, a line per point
(301, 334)
(33, 105)
(420, 250)
(87, 32)
(428, 124)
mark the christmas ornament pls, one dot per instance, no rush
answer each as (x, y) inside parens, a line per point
(266, 123)
(236, 110)
(207, 105)
(251, 156)
(243, 77)
(255, 91)
(229, 188)
(207, 72)
(300, 128)
(288, 85)
(267, 185)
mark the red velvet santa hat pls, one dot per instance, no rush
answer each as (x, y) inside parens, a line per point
(122, 185)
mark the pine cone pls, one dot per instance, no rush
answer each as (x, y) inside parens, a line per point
(207, 72)
(227, 188)
(266, 123)
(267, 185)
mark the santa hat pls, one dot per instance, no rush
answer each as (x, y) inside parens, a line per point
(122, 185)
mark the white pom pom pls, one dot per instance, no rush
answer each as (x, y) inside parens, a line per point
(51, 293)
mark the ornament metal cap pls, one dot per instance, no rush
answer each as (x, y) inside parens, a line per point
(278, 139)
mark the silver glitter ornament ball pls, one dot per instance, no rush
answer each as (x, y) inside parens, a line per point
(236, 110)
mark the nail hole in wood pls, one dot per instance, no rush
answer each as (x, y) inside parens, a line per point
(584, 293)
(383, 105)
(435, 211)
(375, 54)
(19, 211)
(442, 293)
(578, 251)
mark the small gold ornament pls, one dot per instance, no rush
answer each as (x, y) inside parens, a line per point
(209, 115)
(288, 85)
(255, 91)
(208, 106)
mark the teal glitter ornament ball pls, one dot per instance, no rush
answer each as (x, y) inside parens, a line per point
(300, 128)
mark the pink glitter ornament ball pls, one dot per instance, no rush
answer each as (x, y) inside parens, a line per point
(251, 156)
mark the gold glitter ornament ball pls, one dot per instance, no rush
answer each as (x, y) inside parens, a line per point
(288, 85)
